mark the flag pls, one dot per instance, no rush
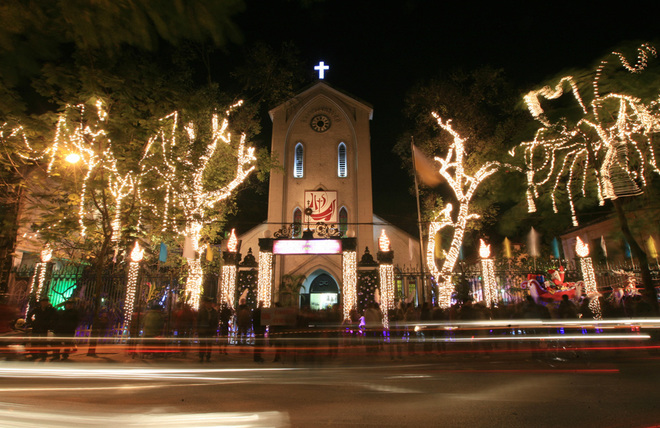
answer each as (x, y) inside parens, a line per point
(533, 243)
(461, 256)
(555, 248)
(188, 251)
(650, 244)
(209, 253)
(603, 246)
(627, 249)
(425, 168)
(162, 257)
(507, 248)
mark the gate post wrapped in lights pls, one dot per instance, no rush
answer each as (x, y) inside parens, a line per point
(133, 271)
(385, 257)
(230, 258)
(349, 264)
(488, 274)
(588, 277)
(265, 280)
(39, 277)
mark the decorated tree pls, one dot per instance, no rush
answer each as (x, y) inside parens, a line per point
(463, 185)
(481, 103)
(55, 56)
(183, 159)
(602, 145)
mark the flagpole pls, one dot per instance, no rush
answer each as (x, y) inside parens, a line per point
(419, 219)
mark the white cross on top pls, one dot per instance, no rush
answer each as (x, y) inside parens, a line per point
(321, 68)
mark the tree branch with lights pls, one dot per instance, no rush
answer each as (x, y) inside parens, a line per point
(180, 156)
(463, 186)
(608, 148)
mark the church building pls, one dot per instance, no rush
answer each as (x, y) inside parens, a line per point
(320, 205)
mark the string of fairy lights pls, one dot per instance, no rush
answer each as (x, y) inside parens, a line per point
(39, 277)
(349, 276)
(80, 137)
(463, 186)
(133, 272)
(386, 271)
(491, 297)
(265, 277)
(611, 144)
(189, 192)
(228, 283)
(588, 277)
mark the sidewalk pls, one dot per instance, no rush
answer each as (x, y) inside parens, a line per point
(242, 357)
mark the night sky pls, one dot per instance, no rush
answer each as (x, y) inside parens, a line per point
(377, 50)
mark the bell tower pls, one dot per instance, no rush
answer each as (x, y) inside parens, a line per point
(322, 139)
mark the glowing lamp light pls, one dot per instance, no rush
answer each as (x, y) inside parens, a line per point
(137, 253)
(72, 158)
(484, 250)
(581, 248)
(46, 254)
(384, 242)
(232, 245)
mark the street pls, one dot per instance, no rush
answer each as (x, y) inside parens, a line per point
(617, 388)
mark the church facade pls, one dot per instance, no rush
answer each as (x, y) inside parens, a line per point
(320, 205)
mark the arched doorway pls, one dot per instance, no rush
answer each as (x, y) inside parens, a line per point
(323, 291)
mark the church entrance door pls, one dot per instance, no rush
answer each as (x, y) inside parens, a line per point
(323, 291)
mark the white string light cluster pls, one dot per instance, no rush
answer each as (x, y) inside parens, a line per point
(463, 186)
(386, 271)
(588, 277)
(178, 170)
(80, 137)
(488, 273)
(228, 285)
(181, 171)
(265, 279)
(610, 145)
(39, 277)
(133, 271)
(349, 265)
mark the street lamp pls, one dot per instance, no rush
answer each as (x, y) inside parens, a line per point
(72, 158)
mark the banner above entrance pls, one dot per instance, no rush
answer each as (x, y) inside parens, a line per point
(320, 206)
(303, 246)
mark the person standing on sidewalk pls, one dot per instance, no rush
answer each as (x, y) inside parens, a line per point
(225, 318)
(67, 323)
(259, 331)
(207, 328)
(42, 319)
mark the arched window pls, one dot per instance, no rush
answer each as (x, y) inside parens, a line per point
(297, 223)
(342, 167)
(343, 221)
(298, 161)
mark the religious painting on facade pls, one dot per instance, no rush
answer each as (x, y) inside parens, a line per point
(320, 206)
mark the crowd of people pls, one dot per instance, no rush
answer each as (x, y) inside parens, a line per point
(215, 328)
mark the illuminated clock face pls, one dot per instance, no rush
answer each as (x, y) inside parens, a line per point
(320, 123)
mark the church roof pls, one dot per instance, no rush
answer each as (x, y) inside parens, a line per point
(324, 86)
